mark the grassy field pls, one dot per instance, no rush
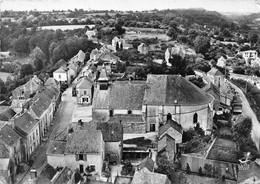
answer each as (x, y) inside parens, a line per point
(63, 27)
(4, 75)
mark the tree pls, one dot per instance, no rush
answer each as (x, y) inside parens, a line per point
(179, 65)
(253, 38)
(26, 69)
(38, 58)
(208, 169)
(164, 165)
(188, 168)
(21, 45)
(243, 129)
(200, 171)
(201, 44)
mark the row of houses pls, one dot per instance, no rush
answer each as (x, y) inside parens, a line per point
(25, 126)
(67, 72)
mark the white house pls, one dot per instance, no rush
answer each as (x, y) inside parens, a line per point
(216, 77)
(61, 75)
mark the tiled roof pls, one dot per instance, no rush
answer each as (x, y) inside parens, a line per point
(25, 122)
(147, 163)
(112, 132)
(170, 124)
(4, 152)
(254, 170)
(51, 82)
(56, 147)
(173, 89)
(39, 103)
(8, 135)
(146, 177)
(215, 72)
(85, 83)
(126, 95)
(84, 141)
(120, 95)
(7, 115)
(60, 70)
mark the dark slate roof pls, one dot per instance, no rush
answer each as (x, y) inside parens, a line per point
(254, 170)
(56, 147)
(39, 103)
(84, 141)
(215, 72)
(25, 122)
(126, 95)
(7, 115)
(148, 163)
(170, 123)
(4, 152)
(85, 83)
(173, 89)
(145, 177)
(121, 95)
(8, 135)
(112, 132)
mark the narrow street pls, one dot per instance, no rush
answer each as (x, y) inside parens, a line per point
(61, 121)
(247, 111)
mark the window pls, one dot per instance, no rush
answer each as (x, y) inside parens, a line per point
(85, 92)
(92, 168)
(111, 113)
(36, 132)
(33, 136)
(81, 157)
(81, 170)
(152, 127)
(59, 76)
(85, 100)
(129, 112)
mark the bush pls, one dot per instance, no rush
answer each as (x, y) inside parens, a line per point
(127, 168)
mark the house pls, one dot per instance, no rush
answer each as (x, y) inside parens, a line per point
(145, 176)
(121, 99)
(249, 55)
(237, 105)
(216, 77)
(7, 171)
(84, 150)
(61, 75)
(85, 90)
(143, 48)
(175, 95)
(222, 62)
(113, 138)
(213, 90)
(7, 115)
(72, 71)
(28, 128)
(52, 82)
(118, 43)
(226, 94)
(12, 142)
(41, 108)
(28, 89)
(18, 104)
(169, 136)
(146, 163)
(250, 173)
(179, 50)
(91, 33)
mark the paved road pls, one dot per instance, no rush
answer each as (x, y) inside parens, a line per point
(61, 121)
(247, 111)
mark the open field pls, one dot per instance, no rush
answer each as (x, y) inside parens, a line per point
(63, 27)
(4, 75)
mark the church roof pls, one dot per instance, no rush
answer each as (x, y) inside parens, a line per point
(215, 72)
(173, 89)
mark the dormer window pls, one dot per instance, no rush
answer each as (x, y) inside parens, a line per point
(129, 112)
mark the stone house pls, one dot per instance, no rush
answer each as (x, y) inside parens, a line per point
(113, 138)
(12, 141)
(143, 48)
(175, 95)
(41, 108)
(120, 100)
(226, 94)
(91, 33)
(61, 75)
(249, 55)
(28, 128)
(51, 82)
(7, 171)
(216, 77)
(54, 95)
(118, 43)
(85, 90)
(28, 89)
(84, 150)
(169, 136)
(179, 50)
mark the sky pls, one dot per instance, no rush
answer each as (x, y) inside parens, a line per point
(242, 6)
